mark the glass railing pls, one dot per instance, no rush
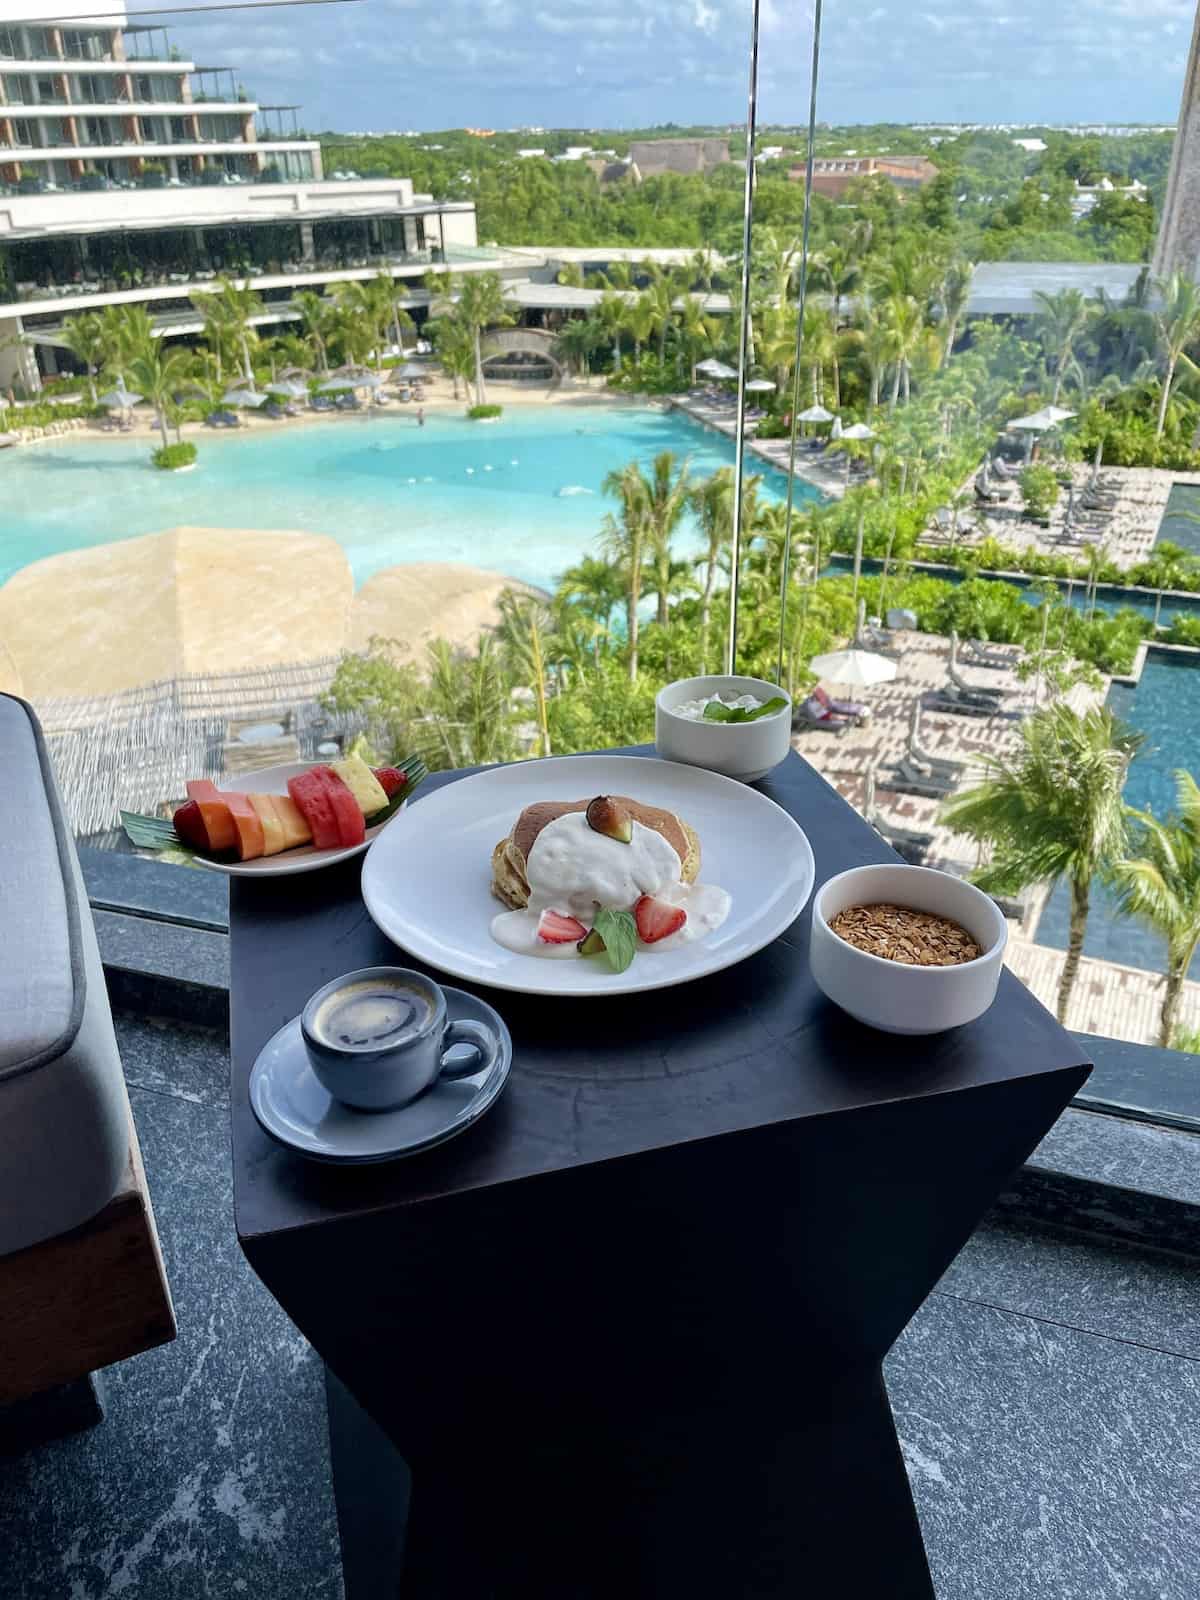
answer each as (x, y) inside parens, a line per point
(882, 442)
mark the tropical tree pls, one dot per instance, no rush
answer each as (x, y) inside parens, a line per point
(639, 324)
(905, 323)
(84, 337)
(1168, 566)
(1177, 324)
(955, 293)
(578, 338)
(1063, 319)
(875, 352)
(1160, 886)
(596, 587)
(525, 634)
(456, 350)
(318, 318)
(229, 312)
(161, 374)
(477, 303)
(697, 332)
(611, 314)
(1054, 810)
(623, 539)
(667, 500)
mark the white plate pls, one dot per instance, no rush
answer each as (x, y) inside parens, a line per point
(304, 858)
(427, 885)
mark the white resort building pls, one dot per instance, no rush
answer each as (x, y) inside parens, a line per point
(130, 174)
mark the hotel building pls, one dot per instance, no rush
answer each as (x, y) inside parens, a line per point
(132, 174)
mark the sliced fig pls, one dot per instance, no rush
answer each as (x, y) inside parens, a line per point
(605, 816)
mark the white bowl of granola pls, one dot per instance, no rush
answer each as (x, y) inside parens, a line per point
(907, 949)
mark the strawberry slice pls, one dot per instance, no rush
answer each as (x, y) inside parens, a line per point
(391, 779)
(555, 928)
(656, 919)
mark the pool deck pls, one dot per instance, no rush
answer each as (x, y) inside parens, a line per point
(1115, 1001)
(1141, 495)
(827, 476)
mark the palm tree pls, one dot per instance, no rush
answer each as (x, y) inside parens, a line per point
(479, 303)
(455, 348)
(1064, 318)
(667, 501)
(638, 323)
(1160, 886)
(623, 540)
(1177, 324)
(955, 292)
(1053, 811)
(697, 332)
(596, 588)
(1168, 566)
(317, 317)
(525, 634)
(905, 323)
(611, 314)
(467, 706)
(228, 313)
(578, 338)
(84, 337)
(160, 374)
(661, 296)
(875, 351)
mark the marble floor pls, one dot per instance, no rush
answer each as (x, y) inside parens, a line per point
(1047, 1396)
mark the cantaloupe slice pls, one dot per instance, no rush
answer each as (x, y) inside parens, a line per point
(295, 830)
(273, 835)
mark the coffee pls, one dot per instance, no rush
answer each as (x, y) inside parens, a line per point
(372, 1015)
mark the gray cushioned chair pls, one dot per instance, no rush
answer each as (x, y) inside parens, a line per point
(69, 1165)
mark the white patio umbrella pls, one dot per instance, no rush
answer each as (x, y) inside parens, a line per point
(288, 389)
(119, 398)
(858, 430)
(816, 414)
(410, 369)
(759, 386)
(857, 669)
(338, 385)
(709, 365)
(244, 397)
(717, 369)
(373, 380)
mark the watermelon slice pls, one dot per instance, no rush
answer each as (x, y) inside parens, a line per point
(251, 841)
(312, 799)
(346, 810)
(218, 823)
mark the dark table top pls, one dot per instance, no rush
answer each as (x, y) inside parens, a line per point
(755, 1046)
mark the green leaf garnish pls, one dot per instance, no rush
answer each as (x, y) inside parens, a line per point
(415, 772)
(714, 711)
(619, 932)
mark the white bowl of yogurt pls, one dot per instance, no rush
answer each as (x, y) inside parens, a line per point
(684, 730)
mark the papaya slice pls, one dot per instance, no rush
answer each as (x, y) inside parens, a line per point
(218, 822)
(251, 842)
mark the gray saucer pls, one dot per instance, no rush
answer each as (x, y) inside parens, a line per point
(294, 1109)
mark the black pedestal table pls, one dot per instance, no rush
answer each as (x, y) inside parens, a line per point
(627, 1333)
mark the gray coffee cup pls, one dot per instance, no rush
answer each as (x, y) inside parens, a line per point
(379, 1037)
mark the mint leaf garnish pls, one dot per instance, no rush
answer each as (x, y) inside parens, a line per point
(714, 711)
(619, 932)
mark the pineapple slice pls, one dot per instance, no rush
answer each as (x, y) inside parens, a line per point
(362, 784)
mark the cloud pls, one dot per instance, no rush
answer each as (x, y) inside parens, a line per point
(592, 63)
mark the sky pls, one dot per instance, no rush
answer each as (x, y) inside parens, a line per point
(382, 64)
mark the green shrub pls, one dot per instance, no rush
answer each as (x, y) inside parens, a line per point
(482, 413)
(1039, 489)
(1186, 1039)
(41, 416)
(1184, 630)
(170, 457)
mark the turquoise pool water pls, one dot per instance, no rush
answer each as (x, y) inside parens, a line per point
(1165, 706)
(521, 496)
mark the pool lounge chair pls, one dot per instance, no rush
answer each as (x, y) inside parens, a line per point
(855, 709)
(347, 402)
(922, 761)
(965, 703)
(811, 714)
(993, 692)
(321, 402)
(906, 777)
(976, 653)
(273, 410)
(910, 844)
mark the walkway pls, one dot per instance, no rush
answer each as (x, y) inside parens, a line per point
(829, 476)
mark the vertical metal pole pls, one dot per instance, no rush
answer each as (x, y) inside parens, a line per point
(808, 181)
(739, 449)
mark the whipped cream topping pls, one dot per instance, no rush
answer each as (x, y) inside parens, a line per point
(694, 710)
(575, 870)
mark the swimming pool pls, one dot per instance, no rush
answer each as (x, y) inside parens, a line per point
(522, 497)
(1165, 706)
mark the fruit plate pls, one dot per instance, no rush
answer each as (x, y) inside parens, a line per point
(304, 858)
(427, 885)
